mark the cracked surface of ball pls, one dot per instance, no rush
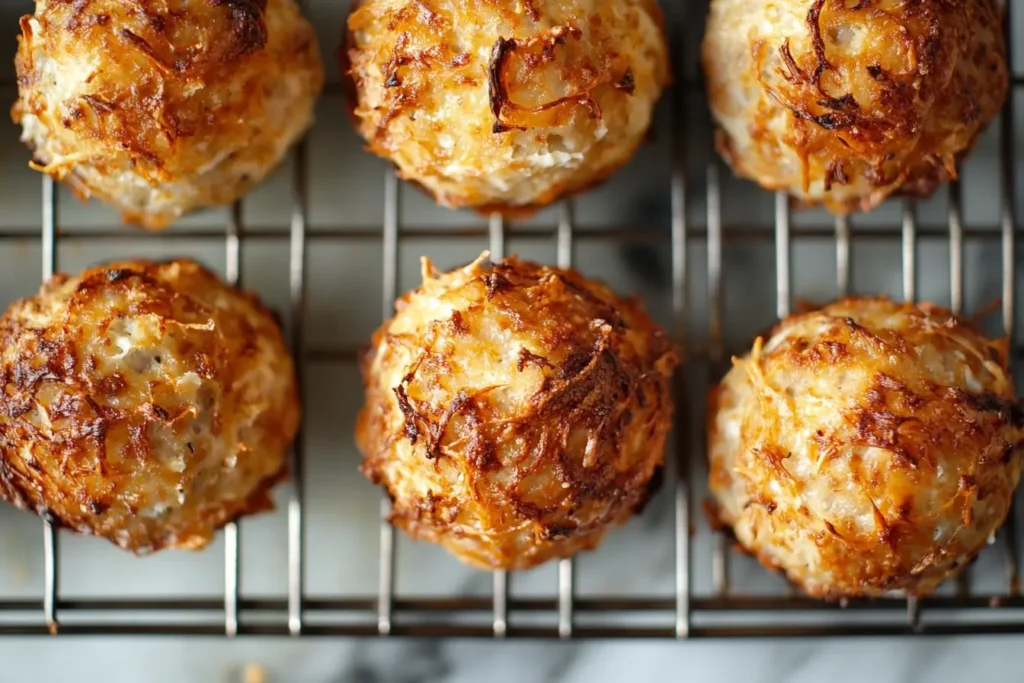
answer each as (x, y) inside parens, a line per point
(506, 105)
(845, 104)
(160, 107)
(515, 412)
(867, 448)
(147, 403)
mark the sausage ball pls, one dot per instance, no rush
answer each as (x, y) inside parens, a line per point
(847, 103)
(148, 403)
(867, 448)
(514, 412)
(160, 107)
(506, 105)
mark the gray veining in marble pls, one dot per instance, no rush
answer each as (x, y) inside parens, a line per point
(347, 192)
(938, 660)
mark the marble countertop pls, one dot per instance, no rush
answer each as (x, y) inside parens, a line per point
(346, 191)
(890, 660)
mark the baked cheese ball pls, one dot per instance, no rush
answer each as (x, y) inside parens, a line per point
(847, 103)
(147, 403)
(515, 412)
(161, 107)
(505, 105)
(868, 448)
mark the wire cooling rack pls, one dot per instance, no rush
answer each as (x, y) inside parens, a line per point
(694, 252)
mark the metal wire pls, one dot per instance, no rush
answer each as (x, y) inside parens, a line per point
(685, 613)
(365, 606)
(909, 238)
(783, 276)
(909, 250)
(51, 540)
(297, 280)
(496, 229)
(386, 579)
(956, 300)
(232, 576)
(680, 466)
(956, 249)
(783, 279)
(994, 613)
(716, 344)
(566, 568)
(1008, 223)
(232, 540)
(566, 598)
(624, 234)
(500, 619)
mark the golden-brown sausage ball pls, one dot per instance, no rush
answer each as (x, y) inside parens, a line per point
(847, 103)
(147, 403)
(160, 107)
(866, 448)
(515, 412)
(510, 104)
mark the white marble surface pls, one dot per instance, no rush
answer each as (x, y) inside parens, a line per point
(346, 192)
(938, 660)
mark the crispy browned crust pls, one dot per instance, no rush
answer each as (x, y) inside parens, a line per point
(581, 76)
(166, 88)
(147, 403)
(847, 125)
(525, 421)
(866, 405)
